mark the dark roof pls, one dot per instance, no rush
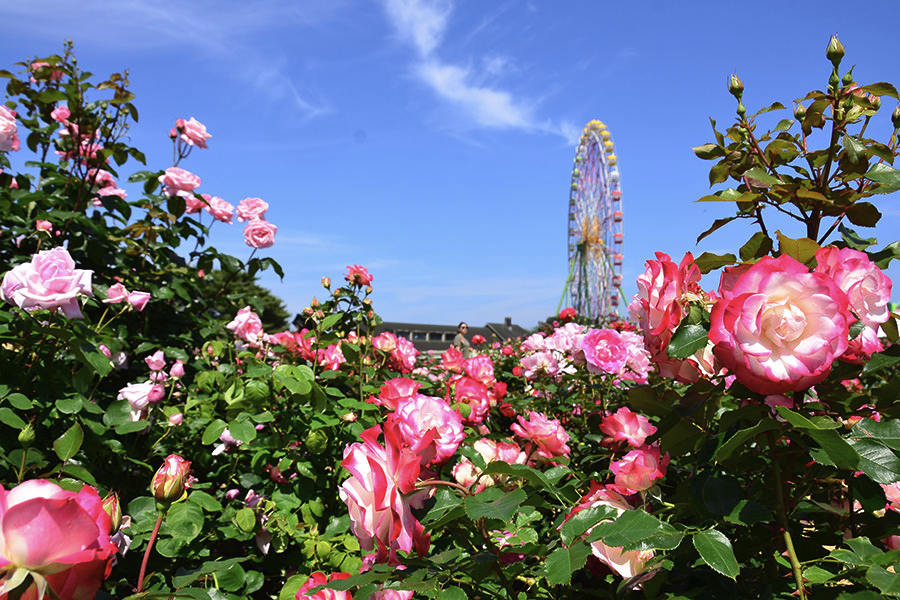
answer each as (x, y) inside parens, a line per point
(437, 338)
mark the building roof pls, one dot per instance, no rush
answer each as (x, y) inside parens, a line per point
(437, 338)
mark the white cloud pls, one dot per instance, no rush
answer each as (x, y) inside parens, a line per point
(418, 22)
(422, 23)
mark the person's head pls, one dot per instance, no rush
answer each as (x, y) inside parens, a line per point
(463, 327)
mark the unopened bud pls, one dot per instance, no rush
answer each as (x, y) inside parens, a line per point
(308, 312)
(835, 50)
(735, 85)
(875, 101)
(171, 480)
(368, 289)
(847, 79)
(315, 302)
(895, 118)
(326, 282)
(799, 112)
(114, 510)
(26, 436)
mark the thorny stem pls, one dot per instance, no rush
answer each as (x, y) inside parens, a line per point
(783, 520)
(159, 518)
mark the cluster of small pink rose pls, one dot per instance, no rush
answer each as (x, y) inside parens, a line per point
(775, 325)
(258, 233)
(619, 355)
(142, 395)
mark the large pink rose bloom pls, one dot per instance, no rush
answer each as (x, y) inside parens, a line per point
(251, 208)
(247, 325)
(61, 537)
(546, 434)
(422, 418)
(179, 182)
(868, 289)
(778, 327)
(381, 494)
(604, 351)
(49, 281)
(193, 132)
(9, 136)
(259, 233)
(637, 470)
(624, 425)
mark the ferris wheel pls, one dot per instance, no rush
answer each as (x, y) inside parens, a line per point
(595, 227)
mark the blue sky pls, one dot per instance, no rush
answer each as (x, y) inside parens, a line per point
(433, 142)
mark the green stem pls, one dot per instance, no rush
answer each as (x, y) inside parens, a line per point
(159, 518)
(21, 472)
(783, 520)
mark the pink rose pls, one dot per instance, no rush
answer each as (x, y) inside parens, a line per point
(471, 399)
(546, 434)
(480, 368)
(9, 130)
(178, 182)
(138, 300)
(381, 493)
(869, 291)
(193, 132)
(156, 361)
(604, 351)
(403, 358)
(140, 395)
(176, 419)
(193, 204)
(116, 294)
(220, 209)
(177, 370)
(60, 113)
(59, 535)
(358, 275)
(247, 326)
(49, 281)
(779, 328)
(42, 225)
(259, 233)
(625, 425)
(429, 427)
(251, 208)
(638, 469)
(394, 391)
(331, 358)
(318, 578)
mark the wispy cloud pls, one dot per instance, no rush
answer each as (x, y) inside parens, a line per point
(221, 31)
(422, 24)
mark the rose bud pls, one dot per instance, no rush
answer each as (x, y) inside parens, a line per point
(114, 510)
(172, 479)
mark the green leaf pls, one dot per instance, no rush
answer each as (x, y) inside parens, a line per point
(715, 550)
(532, 475)
(863, 214)
(756, 247)
(802, 249)
(68, 444)
(761, 178)
(632, 526)
(185, 520)
(817, 575)
(854, 240)
(242, 431)
(886, 175)
(9, 417)
(877, 461)
(245, 519)
(687, 340)
(886, 432)
(881, 89)
(452, 593)
(856, 150)
(70, 405)
(887, 582)
(502, 508)
(205, 501)
(583, 520)
(739, 439)
(562, 562)
(880, 360)
(20, 401)
(213, 431)
(708, 261)
(784, 125)
(709, 151)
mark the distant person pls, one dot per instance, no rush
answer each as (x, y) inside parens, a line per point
(460, 342)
